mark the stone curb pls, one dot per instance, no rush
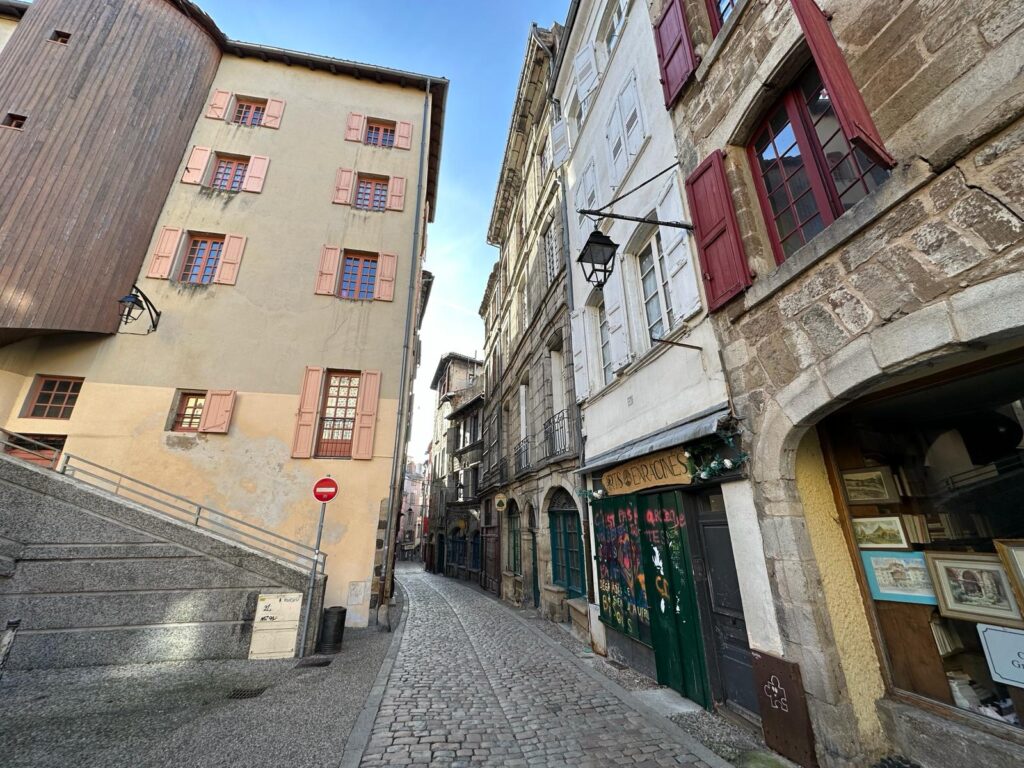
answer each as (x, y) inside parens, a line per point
(359, 737)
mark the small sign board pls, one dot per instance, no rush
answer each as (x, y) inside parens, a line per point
(325, 489)
(1004, 650)
(275, 626)
(670, 467)
(784, 717)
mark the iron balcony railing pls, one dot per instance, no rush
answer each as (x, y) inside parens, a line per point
(522, 454)
(162, 502)
(558, 436)
(334, 440)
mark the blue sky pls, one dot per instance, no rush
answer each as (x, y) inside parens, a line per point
(479, 47)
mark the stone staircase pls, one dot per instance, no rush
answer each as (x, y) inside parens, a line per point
(96, 579)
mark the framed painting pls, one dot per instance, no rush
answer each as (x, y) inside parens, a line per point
(880, 532)
(1011, 553)
(870, 485)
(974, 586)
(898, 577)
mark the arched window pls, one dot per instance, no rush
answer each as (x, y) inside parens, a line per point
(567, 569)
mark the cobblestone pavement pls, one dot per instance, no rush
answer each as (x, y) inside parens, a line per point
(475, 685)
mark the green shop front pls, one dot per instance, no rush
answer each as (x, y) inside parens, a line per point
(669, 595)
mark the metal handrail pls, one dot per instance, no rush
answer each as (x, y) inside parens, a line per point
(522, 454)
(174, 506)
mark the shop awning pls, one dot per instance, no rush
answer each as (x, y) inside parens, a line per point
(703, 424)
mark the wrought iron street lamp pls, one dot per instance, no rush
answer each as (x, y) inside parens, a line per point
(134, 304)
(597, 259)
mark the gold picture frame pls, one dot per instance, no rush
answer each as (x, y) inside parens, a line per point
(871, 486)
(884, 532)
(974, 586)
(1011, 553)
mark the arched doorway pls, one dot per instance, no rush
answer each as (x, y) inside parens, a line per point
(567, 560)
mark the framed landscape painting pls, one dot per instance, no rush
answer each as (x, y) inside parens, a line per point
(974, 586)
(871, 485)
(1011, 553)
(898, 577)
(880, 532)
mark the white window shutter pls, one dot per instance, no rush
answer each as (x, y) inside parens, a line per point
(682, 276)
(616, 147)
(629, 106)
(580, 368)
(559, 143)
(585, 65)
(615, 311)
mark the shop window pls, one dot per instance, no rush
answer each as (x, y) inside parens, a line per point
(52, 397)
(620, 570)
(929, 479)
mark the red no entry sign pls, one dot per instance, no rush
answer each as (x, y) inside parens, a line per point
(325, 489)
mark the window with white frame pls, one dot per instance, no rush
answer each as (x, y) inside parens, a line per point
(654, 288)
(586, 195)
(552, 258)
(606, 344)
(611, 27)
(625, 130)
(543, 162)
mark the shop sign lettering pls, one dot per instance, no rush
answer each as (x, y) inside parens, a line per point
(663, 468)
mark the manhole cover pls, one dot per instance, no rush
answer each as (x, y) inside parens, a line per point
(246, 693)
(314, 662)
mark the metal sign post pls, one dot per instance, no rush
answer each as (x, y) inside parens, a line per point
(324, 490)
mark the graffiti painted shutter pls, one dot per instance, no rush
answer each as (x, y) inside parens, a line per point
(403, 136)
(354, 126)
(275, 111)
(682, 279)
(219, 105)
(164, 253)
(384, 287)
(305, 419)
(396, 193)
(580, 368)
(217, 411)
(723, 261)
(343, 186)
(849, 105)
(256, 173)
(366, 415)
(327, 275)
(675, 50)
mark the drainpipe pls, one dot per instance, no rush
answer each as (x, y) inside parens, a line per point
(398, 463)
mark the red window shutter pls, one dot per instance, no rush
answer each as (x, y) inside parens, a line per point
(343, 180)
(403, 136)
(849, 105)
(327, 276)
(305, 420)
(164, 253)
(216, 418)
(366, 415)
(354, 126)
(230, 260)
(675, 50)
(396, 193)
(275, 111)
(219, 105)
(196, 165)
(723, 260)
(256, 173)
(384, 287)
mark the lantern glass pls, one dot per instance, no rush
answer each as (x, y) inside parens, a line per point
(131, 307)
(597, 259)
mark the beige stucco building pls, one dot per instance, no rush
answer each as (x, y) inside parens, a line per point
(285, 263)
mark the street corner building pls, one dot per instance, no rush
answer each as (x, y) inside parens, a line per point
(211, 283)
(765, 259)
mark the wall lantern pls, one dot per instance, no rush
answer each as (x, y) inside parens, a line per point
(134, 304)
(597, 259)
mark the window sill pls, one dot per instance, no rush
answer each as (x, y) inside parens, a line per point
(715, 49)
(904, 182)
(12, 128)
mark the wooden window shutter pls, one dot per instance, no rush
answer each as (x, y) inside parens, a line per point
(585, 65)
(849, 105)
(616, 146)
(218, 108)
(305, 419)
(723, 261)
(384, 287)
(275, 111)
(230, 260)
(327, 276)
(682, 279)
(366, 415)
(580, 366)
(676, 58)
(343, 181)
(164, 253)
(559, 143)
(615, 310)
(255, 173)
(354, 126)
(396, 193)
(217, 411)
(196, 165)
(403, 136)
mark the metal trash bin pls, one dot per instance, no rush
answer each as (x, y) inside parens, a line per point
(332, 629)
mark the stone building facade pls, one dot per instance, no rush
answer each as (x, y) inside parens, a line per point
(870, 306)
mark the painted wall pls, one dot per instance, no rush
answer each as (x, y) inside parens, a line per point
(256, 336)
(7, 27)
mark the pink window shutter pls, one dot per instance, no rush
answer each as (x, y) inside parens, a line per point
(327, 276)
(217, 411)
(343, 181)
(396, 193)
(354, 126)
(218, 108)
(403, 136)
(387, 266)
(164, 253)
(256, 173)
(274, 113)
(305, 418)
(196, 165)
(366, 415)
(230, 260)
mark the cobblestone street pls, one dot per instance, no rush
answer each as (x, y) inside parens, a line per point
(473, 684)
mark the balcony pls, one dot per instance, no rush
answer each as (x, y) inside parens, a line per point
(558, 438)
(521, 452)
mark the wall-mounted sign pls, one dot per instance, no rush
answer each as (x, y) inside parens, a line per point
(500, 502)
(669, 467)
(1004, 650)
